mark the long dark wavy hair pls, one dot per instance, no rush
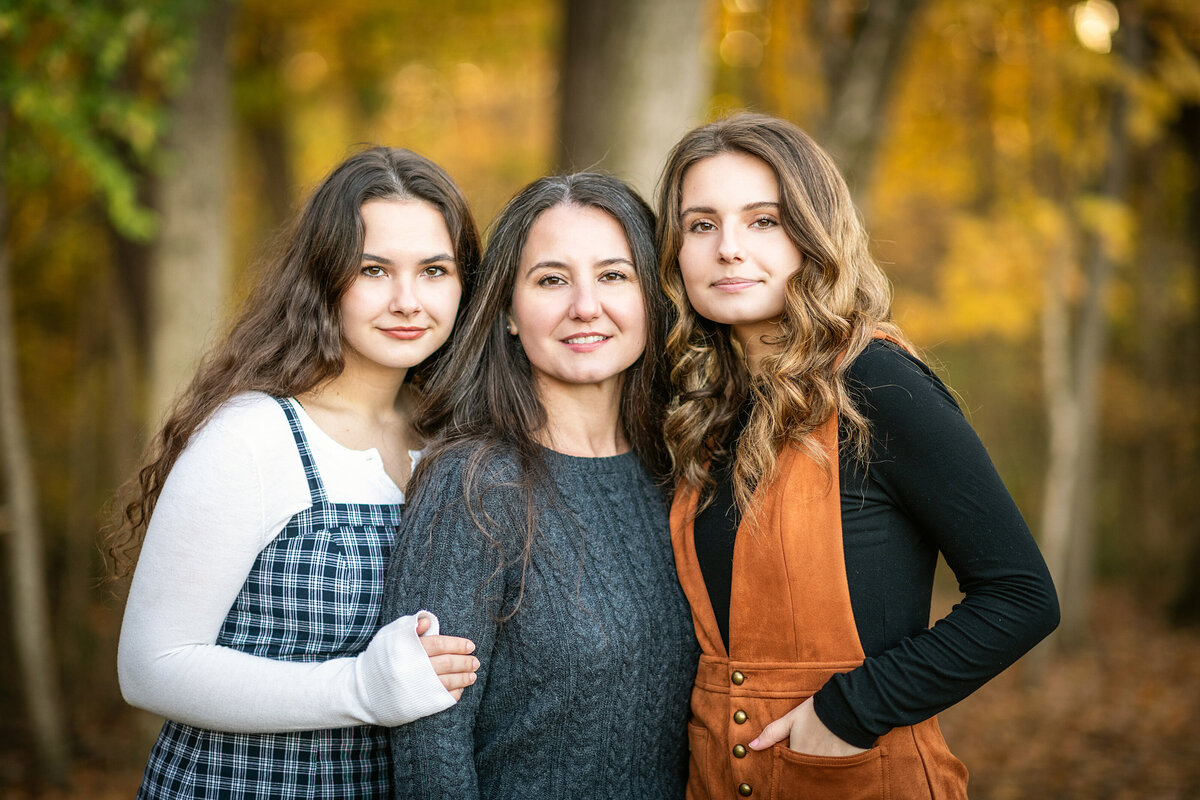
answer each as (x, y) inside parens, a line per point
(484, 402)
(287, 337)
(834, 303)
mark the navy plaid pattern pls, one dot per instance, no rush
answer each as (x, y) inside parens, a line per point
(313, 594)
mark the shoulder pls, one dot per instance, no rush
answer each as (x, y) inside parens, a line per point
(450, 472)
(884, 377)
(490, 461)
(469, 497)
(250, 427)
(248, 414)
(241, 465)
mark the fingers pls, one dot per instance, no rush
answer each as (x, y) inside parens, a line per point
(445, 665)
(423, 624)
(439, 645)
(777, 731)
(457, 681)
(455, 672)
(451, 660)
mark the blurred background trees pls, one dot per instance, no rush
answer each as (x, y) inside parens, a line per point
(1029, 170)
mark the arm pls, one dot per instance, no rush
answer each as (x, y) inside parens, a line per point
(937, 473)
(210, 523)
(444, 563)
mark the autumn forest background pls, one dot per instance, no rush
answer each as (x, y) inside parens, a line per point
(1029, 171)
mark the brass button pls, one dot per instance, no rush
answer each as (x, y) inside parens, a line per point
(744, 790)
(739, 716)
(739, 751)
(738, 678)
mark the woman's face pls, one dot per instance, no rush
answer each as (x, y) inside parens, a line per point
(577, 304)
(735, 257)
(401, 306)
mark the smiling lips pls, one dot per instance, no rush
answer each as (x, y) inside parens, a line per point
(585, 342)
(405, 332)
(733, 284)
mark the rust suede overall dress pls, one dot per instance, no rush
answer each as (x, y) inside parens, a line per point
(791, 627)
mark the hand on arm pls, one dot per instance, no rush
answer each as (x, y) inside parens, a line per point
(450, 657)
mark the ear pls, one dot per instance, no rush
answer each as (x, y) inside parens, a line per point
(512, 323)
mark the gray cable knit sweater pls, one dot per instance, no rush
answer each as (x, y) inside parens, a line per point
(584, 692)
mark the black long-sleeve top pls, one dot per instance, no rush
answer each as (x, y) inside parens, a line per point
(928, 486)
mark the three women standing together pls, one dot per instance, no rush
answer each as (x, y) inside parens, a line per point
(813, 466)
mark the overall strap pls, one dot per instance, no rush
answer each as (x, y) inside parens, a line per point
(316, 488)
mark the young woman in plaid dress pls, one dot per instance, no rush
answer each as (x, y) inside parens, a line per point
(267, 512)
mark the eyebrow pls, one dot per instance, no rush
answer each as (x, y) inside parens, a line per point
(423, 262)
(551, 264)
(711, 210)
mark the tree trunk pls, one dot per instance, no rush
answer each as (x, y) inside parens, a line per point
(1185, 608)
(31, 618)
(1152, 554)
(1062, 470)
(861, 61)
(1073, 391)
(83, 478)
(634, 79)
(191, 262)
(270, 147)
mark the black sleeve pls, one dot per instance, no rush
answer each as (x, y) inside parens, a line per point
(936, 475)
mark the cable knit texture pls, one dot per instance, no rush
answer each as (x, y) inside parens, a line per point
(584, 691)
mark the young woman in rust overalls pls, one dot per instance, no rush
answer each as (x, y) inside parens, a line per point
(820, 468)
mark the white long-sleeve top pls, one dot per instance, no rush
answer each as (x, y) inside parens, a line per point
(232, 490)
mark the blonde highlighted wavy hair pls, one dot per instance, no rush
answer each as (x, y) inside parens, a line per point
(833, 305)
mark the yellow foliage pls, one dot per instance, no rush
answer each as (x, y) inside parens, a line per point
(1112, 222)
(989, 281)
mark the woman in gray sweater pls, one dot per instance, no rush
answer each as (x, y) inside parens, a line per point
(536, 524)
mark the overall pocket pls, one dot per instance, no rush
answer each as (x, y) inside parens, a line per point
(697, 788)
(863, 776)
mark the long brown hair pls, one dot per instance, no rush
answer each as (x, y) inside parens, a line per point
(287, 336)
(833, 304)
(484, 402)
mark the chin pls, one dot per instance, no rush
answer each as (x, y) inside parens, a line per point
(590, 378)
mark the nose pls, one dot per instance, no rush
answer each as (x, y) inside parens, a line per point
(404, 297)
(584, 303)
(730, 247)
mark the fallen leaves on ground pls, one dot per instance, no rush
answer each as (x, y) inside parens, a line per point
(1118, 719)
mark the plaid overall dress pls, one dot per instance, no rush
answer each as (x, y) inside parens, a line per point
(313, 594)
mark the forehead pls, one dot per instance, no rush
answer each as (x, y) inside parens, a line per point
(395, 220)
(728, 178)
(578, 231)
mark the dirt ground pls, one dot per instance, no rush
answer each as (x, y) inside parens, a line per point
(1119, 720)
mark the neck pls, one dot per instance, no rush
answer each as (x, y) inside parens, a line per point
(583, 420)
(370, 392)
(750, 338)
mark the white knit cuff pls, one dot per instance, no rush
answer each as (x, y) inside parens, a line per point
(395, 677)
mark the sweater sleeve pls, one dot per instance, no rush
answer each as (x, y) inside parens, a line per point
(444, 562)
(208, 527)
(936, 472)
